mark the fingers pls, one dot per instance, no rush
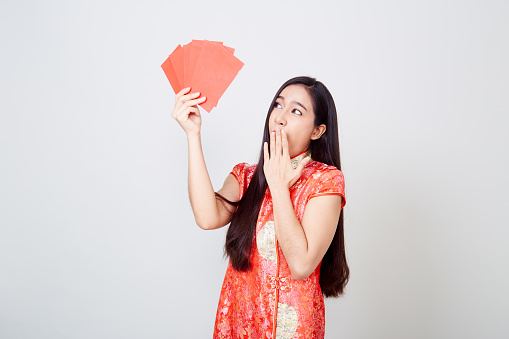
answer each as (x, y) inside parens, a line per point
(186, 110)
(188, 97)
(183, 91)
(272, 144)
(181, 97)
(285, 144)
(265, 153)
(184, 115)
(303, 164)
(195, 110)
(195, 102)
(183, 106)
(278, 142)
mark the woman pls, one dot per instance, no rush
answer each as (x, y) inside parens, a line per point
(285, 241)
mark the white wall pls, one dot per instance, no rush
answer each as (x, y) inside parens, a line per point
(97, 238)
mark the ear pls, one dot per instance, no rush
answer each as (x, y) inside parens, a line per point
(318, 132)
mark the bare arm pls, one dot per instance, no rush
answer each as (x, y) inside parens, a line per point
(209, 212)
(303, 244)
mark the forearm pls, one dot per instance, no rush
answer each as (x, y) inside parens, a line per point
(201, 191)
(290, 234)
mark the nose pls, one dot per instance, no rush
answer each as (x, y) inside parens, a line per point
(280, 119)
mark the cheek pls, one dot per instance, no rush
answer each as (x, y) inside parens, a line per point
(299, 137)
(295, 139)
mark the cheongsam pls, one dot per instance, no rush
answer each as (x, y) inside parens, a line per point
(266, 302)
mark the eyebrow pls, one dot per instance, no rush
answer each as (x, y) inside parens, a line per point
(293, 101)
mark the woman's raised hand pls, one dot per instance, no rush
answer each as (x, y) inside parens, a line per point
(186, 110)
(277, 165)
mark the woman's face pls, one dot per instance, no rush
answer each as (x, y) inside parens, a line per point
(293, 112)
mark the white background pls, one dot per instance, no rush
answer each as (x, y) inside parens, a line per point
(97, 236)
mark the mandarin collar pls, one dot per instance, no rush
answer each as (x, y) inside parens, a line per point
(298, 158)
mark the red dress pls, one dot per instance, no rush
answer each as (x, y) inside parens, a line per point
(247, 304)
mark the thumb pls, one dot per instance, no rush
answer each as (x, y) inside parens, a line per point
(299, 169)
(301, 166)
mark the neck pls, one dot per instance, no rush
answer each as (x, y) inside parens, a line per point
(298, 158)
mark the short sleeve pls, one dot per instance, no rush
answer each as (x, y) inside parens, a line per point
(240, 172)
(330, 182)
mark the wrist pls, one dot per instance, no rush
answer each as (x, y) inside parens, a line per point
(279, 191)
(193, 136)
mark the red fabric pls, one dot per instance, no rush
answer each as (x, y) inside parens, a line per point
(247, 301)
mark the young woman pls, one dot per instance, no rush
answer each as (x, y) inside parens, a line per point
(285, 240)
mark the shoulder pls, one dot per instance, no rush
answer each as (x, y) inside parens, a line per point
(325, 180)
(316, 170)
(243, 171)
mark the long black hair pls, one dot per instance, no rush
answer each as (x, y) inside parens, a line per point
(334, 272)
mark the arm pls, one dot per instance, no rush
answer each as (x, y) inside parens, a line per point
(209, 212)
(303, 244)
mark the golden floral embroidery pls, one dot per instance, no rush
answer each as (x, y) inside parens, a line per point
(265, 240)
(287, 321)
(295, 160)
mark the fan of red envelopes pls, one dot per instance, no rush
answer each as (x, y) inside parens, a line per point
(207, 67)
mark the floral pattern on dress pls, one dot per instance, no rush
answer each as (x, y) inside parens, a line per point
(266, 241)
(287, 321)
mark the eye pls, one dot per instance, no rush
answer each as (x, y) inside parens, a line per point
(277, 105)
(296, 111)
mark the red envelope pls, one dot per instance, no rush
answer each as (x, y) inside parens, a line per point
(207, 67)
(196, 46)
(169, 70)
(187, 70)
(177, 60)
